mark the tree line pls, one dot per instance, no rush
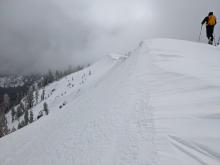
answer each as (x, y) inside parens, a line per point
(28, 99)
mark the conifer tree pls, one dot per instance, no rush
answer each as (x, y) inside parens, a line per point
(26, 119)
(31, 119)
(30, 99)
(50, 77)
(57, 75)
(22, 107)
(19, 112)
(6, 100)
(13, 113)
(43, 95)
(21, 124)
(36, 96)
(3, 124)
(46, 110)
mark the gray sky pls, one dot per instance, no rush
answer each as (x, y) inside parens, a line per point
(42, 34)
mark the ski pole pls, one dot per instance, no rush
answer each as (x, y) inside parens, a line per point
(214, 39)
(200, 33)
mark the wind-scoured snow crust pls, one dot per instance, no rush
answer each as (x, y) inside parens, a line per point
(158, 105)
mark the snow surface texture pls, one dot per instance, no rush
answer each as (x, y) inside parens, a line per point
(157, 105)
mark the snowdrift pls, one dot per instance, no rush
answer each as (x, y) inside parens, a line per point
(158, 104)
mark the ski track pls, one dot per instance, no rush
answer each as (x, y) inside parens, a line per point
(195, 151)
(144, 108)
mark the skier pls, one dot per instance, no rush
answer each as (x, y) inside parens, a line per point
(210, 21)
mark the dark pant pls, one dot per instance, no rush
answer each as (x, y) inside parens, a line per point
(209, 32)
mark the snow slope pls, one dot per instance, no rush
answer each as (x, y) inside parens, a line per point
(159, 104)
(59, 93)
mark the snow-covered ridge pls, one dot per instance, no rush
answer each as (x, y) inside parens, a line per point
(158, 105)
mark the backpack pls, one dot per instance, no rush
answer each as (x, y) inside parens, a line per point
(211, 20)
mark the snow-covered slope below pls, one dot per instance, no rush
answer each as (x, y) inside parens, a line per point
(159, 105)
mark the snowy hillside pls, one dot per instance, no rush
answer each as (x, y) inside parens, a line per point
(60, 93)
(158, 105)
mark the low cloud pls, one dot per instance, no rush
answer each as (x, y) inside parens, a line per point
(52, 34)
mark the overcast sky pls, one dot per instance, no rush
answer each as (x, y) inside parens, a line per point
(39, 35)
